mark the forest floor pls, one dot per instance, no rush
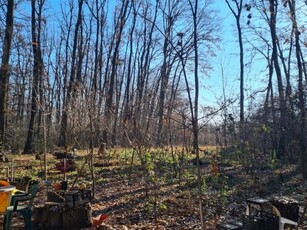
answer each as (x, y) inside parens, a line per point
(132, 200)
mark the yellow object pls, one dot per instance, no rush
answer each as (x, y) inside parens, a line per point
(17, 191)
(5, 195)
(4, 200)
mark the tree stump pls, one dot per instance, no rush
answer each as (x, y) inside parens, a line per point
(57, 216)
(77, 217)
(102, 150)
(48, 215)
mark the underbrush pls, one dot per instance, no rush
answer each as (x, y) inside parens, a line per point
(150, 185)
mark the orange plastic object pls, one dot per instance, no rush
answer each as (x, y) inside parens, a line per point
(5, 194)
(4, 183)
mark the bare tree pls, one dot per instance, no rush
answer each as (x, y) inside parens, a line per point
(119, 27)
(171, 12)
(36, 20)
(273, 6)
(236, 8)
(301, 88)
(97, 10)
(127, 101)
(72, 84)
(143, 112)
(4, 69)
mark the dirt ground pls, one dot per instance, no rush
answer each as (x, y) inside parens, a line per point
(130, 202)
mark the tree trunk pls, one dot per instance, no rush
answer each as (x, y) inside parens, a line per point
(301, 94)
(37, 73)
(126, 101)
(282, 105)
(63, 127)
(165, 72)
(109, 110)
(4, 69)
(237, 14)
(194, 109)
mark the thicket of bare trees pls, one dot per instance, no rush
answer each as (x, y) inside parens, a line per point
(274, 34)
(126, 72)
(122, 61)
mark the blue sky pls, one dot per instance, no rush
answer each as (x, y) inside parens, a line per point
(226, 65)
(226, 62)
(227, 58)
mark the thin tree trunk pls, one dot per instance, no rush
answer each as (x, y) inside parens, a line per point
(237, 14)
(194, 10)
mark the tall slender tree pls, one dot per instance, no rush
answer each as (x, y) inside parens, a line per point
(72, 81)
(273, 9)
(195, 104)
(171, 14)
(118, 32)
(36, 19)
(4, 69)
(236, 9)
(301, 88)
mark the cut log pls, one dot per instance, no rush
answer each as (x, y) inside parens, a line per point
(56, 216)
(77, 217)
